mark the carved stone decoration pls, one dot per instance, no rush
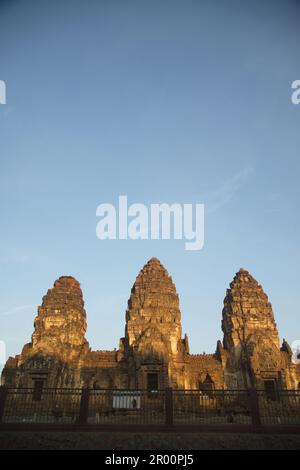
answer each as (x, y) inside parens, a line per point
(60, 326)
(250, 333)
(247, 311)
(153, 319)
(153, 350)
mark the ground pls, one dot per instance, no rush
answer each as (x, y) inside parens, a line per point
(157, 441)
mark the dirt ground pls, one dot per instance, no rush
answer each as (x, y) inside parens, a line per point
(151, 441)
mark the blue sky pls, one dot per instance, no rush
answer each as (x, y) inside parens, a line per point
(163, 101)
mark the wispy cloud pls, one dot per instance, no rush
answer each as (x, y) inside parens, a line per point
(6, 111)
(19, 308)
(222, 196)
(8, 258)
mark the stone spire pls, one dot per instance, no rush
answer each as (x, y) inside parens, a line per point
(247, 312)
(60, 326)
(153, 320)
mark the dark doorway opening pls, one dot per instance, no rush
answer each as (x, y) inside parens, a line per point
(37, 390)
(270, 389)
(207, 386)
(152, 384)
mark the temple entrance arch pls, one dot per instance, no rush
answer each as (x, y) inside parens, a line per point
(207, 387)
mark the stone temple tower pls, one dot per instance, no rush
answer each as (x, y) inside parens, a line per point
(153, 327)
(60, 325)
(58, 343)
(153, 355)
(251, 339)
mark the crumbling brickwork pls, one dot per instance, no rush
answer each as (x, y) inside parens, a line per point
(153, 353)
(251, 341)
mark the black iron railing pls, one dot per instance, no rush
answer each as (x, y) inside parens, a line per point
(141, 407)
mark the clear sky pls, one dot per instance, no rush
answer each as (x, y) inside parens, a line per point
(163, 101)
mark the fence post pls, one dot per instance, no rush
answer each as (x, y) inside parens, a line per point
(3, 395)
(169, 406)
(254, 407)
(84, 406)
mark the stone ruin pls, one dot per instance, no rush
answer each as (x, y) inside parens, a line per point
(153, 354)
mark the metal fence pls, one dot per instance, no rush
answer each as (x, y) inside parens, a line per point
(217, 407)
(169, 407)
(53, 406)
(283, 408)
(126, 407)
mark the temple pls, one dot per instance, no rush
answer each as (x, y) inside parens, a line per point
(153, 354)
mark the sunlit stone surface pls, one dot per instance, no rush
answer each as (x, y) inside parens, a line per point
(154, 353)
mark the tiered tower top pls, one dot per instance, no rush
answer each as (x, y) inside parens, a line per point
(247, 311)
(153, 311)
(60, 326)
